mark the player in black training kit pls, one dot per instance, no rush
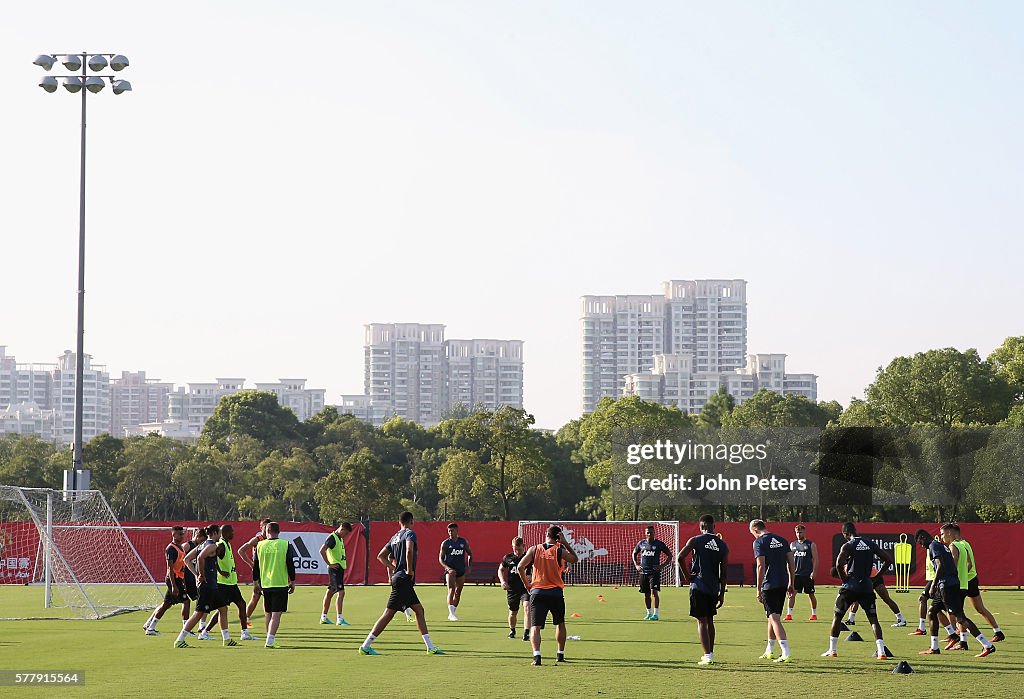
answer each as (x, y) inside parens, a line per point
(805, 557)
(456, 558)
(854, 566)
(508, 574)
(775, 574)
(706, 579)
(649, 551)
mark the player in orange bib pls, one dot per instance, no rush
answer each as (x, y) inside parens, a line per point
(546, 587)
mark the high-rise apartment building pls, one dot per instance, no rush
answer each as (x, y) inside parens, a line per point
(293, 394)
(484, 373)
(95, 397)
(136, 400)
(193, 404)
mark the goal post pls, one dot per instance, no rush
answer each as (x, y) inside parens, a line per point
(605, 549)
(71, 544)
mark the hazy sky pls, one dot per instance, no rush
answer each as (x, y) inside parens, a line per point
(285, 172)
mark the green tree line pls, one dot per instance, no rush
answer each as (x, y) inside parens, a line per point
(944, 426)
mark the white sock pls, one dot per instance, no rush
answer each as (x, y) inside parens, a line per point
(963, 636)
(648, 611)
(323, 616)
(340, 618)
(935, 642)
(996, 629)
(408, 614)
(451, 609)
(951, 630)
(784, 645)
(270, 639)
(153, 622)
(368, 641)
(184, 623)
(832, 643)
(850, 619)
(710, 656)
(814, 612)
(985, 643)
(536, 653)
(880, 645)
(789, 611)
(770, 647)
(899, 616)
(225, 634)
(426, 639)
(181, 636)
(922, 625)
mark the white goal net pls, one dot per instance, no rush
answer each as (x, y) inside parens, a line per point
(71, 544)
(605, 549)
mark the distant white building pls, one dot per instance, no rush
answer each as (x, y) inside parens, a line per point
(172, 429)
(293, 394)
(95, 398)
(29, 418)
(357, 405)
(193, 404)
(136, 400)
(484, 373)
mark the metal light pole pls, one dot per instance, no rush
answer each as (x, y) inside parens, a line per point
(74, 62)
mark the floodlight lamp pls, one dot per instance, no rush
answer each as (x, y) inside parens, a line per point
(120, 86)
(45, 61)
(72, 84)
(94, 84)
(48, 83)
(118, 62)
(97, 63)
(72, 62)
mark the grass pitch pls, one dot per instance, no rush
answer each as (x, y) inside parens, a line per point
(619, 655)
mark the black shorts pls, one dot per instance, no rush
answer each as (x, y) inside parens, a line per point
(335, 579)
(650, 582)
(275, 599)
(774, 600)
(804, 584)
(460, 576)
(877, 581)
(231, 594)
(403, 594)
(210, 598)
(191, 591)
(170, 598)
(865, 597)
(541, 604)
(947, 597)
(972, 589)
(702, 604)
(517, 598)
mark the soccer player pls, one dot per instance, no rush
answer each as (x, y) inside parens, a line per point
(274, 573)
(706, 578)
(227, 579)
(333, 554)
(204, 566)
(515, 587)
(174, 579)
(243, 553)
(547, 587)
(805, 555)
(649, 564)
(878, 584)
(946, 592)
(399, 556)
(455, 557)
(854, 567)
(775, 576)
(967, 572)
(198, 540)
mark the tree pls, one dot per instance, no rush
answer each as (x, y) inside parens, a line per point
(362, 488)
(145, 490)
(717, 409)
(769, 409)
(1008, 362)
(255, 414)
(23, 462)
(465, 493)
(943, 388)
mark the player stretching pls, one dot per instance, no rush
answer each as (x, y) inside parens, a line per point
(649, 566)
(706, 579)
(854, 567)
(946, 592)
(967, 572)
(333, 554)
(805, 555)
(547, 587)
(399, 557)
(455, 557)
(243, 553)
(175, 580)
(205, 568)
(775, 573)
(508, 574)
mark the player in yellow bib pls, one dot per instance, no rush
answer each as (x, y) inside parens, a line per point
(333, 554)
(274, 573)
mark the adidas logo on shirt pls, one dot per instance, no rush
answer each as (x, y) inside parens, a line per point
(861, 546)
(711, 545)
(776, 544)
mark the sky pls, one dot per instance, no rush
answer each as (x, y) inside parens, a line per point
(284, 173)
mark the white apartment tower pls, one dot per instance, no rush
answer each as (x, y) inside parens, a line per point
(136, 400)
(484, 373)
(95, 398)
(404, 371)
(193, 405)
(704, 319)
(293, 394)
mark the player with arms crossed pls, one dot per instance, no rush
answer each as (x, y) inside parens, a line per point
(508, 574)
(547, 587)
(946, 592)
(273, 572)
(455, 557)
(649, 564)
(399, 557)
(775, 573)
(805, 556)
(333, 554)
(854, 566)
(706, 578)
